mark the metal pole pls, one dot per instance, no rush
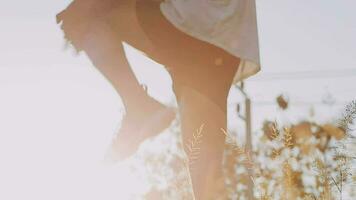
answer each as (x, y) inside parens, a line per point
(249, 145)
(248, 124)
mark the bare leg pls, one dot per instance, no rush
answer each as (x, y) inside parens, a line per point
(202, 75)
(196, 107)
(105, 50)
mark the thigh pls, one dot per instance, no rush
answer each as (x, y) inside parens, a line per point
(191, 61)
(124, 23)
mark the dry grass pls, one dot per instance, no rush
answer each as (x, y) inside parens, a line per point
(291, 151)
(193, 146)
(278, 167)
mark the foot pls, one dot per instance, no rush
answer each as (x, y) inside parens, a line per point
(137, 126)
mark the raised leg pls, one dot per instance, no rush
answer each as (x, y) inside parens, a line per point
(104, 48)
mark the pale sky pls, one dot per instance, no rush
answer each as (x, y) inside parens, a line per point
(48, 94)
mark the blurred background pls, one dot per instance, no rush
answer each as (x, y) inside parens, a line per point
(58, 113)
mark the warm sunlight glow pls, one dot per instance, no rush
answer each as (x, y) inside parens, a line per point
(285, 133)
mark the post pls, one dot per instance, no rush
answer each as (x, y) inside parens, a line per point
(248, 141)
(249, 146)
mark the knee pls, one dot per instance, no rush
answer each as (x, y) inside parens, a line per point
(202, 98)
(200, 107)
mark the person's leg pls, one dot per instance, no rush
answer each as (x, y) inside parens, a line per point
(205, 103)
(105, 50)
(205, 166)
(202, 75)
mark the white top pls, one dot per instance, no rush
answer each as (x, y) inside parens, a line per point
(228, 24)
